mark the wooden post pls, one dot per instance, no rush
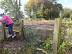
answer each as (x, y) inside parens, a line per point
(20, 22)
(57, 35)
(3, 31)
(21, 27)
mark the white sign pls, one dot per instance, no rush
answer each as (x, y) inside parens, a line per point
(32, 11)
(60, 13)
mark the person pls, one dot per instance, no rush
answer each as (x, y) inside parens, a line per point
(9, 23)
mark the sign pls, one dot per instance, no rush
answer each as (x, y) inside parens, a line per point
(32, 11)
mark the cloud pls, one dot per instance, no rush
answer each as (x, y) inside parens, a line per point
(66, 3)
(66, 0)
(63, 1)
(1, 11)
(23, 3)
(0, 0)
(59, 1)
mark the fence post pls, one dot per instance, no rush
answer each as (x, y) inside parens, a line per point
(21, 27)
(3, 31)
(57, 35)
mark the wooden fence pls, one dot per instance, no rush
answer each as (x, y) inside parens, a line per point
(20, 28)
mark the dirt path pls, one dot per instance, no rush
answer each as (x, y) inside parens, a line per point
(39, 22)
(50, 26)
(13, 44)
(43, 31)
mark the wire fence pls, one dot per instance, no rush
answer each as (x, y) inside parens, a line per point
(39, 39)
(65, 45)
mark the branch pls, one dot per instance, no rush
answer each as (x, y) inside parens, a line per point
(42, 50)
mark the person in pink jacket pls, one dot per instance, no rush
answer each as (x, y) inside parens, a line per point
(9, 22)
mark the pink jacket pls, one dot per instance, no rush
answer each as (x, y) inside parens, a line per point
(7, 19)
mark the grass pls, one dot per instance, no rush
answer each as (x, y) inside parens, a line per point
(0, 38)
(52, 21)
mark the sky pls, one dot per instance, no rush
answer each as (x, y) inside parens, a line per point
(22, 8)
(23, 3)
(65, 4)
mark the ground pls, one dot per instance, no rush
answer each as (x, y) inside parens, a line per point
(12, 44)
(44, 30)
(38, 22)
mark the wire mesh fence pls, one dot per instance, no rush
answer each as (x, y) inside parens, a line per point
(42, 36)
(39, 39)
(38, 35)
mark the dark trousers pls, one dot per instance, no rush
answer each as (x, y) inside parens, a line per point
(10, 29)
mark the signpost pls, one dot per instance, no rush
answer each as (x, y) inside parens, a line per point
(32, 15)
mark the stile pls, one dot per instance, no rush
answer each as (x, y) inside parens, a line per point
(21, 27)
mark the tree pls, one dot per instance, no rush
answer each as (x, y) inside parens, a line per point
(43, 8)
(70, 17)
(12, 7)
(67, 12)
